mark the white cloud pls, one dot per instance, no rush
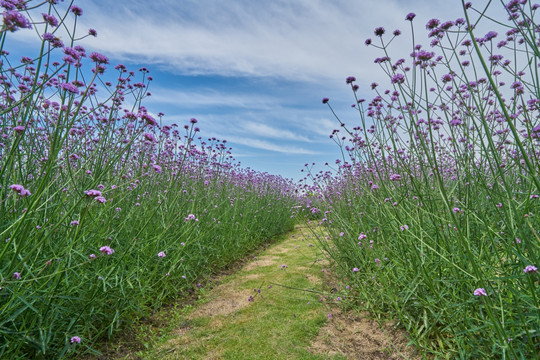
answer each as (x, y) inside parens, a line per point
(303, 39)
(270, 146)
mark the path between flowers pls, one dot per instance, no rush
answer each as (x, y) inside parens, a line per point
(278, 306)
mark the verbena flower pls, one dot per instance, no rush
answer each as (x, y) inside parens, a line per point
(106, 250)
(93, 193)
(19, 189)
(161, 254)
(530, 269)
(480, 292)
(14, 20)
(75, 340)
(379, 31)
(76, 10)
(99, 58)
(50, 19)
(410, 16)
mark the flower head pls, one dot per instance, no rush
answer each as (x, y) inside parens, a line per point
(410, 16)
(14, 20)
(93, 193)
(106, 250)
(75, 340)
(76, 10)
(161, 254)
(530, 269)
(99, 58)
(480, 292)
(19, 189)
(50, 19)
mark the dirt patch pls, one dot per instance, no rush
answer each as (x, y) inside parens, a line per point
(314, 279)
(227, 301)
(263, 261)
(280, 250)
(359, 337)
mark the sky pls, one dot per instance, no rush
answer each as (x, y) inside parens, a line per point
(254, 72)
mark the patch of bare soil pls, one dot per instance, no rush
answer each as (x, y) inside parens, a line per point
(227, 300)
(263, 261)
(359, 337)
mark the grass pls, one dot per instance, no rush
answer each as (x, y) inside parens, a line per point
(278, 324)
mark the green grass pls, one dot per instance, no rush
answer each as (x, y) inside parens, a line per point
(278, 324)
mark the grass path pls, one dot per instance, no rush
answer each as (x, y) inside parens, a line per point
(273, 308)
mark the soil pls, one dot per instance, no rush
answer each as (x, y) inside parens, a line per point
(360, 337)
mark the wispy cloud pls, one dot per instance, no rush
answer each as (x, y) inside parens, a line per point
(271, 146)
(209, 98)
(263, 130)
(303, 39)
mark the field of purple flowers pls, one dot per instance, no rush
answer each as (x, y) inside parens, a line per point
(106, 213)
(434, 212)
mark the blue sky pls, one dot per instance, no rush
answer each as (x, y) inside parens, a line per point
(254, 72)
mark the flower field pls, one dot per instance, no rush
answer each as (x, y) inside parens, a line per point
(435, 211)
(108, 211)
(105, 212)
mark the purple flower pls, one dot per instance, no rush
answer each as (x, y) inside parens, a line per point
(16, 275)
(379, 31)
(490, 35)
(50, 19)
(161, 254)
(425, 55)
(432, 24)
(101, 199)
(456, 209)
(70, 88)
(99, 58)
(149, 137)
(410, 16)
(106, 250)
(92, 32)
(19, 189)
(75, 340)
(480, 292)
(149, 120)
(74, 223)
(355, 270)
(76, 10)
(92, 256)
(14, 20)
(350, 79)
(530, 269)
(325, 100)
(398, 79)
(447, 78)
(93, 193)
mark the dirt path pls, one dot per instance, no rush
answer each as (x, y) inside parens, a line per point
(279, 306)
